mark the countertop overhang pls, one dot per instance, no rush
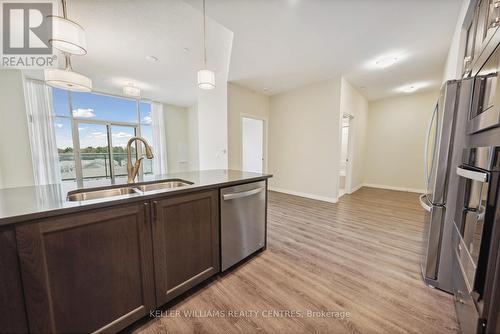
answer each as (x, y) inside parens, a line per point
(35, 202)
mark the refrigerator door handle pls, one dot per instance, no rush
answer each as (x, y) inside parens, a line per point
(472, 174)
(423, 203)
(426, 151)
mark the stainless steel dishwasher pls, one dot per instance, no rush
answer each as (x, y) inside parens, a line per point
(243, 221)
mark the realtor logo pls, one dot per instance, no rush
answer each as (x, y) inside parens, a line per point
(26, 31)
(27, 28)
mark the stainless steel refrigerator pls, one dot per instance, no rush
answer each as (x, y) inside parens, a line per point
(445, 141)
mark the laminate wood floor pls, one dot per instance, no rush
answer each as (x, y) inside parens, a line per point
(359, 256)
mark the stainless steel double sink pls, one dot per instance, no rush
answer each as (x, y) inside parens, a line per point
(130, 189)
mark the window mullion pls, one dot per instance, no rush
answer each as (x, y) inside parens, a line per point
(76, 145)
(110, 150)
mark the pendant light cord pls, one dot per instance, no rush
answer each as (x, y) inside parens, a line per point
(67, 56)
(204, 36)
(64, 9)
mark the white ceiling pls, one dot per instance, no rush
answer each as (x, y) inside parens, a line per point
(277, 44)
(284, 44)
(121, 33)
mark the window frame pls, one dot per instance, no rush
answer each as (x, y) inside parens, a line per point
(75, 135)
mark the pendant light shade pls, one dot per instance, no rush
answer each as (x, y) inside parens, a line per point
(68, 36)
(68, 80)
(206, 79)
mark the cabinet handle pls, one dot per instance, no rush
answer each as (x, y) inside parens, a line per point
(154, 213)
(146, 207)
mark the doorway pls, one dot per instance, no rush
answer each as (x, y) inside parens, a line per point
(252, 144)
(345, 155)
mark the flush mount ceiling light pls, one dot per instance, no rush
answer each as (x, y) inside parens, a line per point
(67, 79)
(386, 62)
(206, 78)
(131, 90)
(411, 88)
(67, 36)
(152, 58)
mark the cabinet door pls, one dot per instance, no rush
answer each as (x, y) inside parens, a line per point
(12, 310)
(186, 242)
(87, 272)
(470, 46)
(487, 23)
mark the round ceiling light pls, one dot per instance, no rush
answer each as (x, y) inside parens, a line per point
(386, 62)
(206, 79)
(68, 80)
(152, 58)
(412, 87)
(68, 36)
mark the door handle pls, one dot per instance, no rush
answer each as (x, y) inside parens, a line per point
(472, 174)
(424, 204)
(427, 172)
(228, 197)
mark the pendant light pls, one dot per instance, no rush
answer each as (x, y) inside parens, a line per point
(206, 78)
(67, 79)
(67, 36)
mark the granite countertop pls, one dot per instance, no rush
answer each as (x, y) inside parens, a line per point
(35, 202)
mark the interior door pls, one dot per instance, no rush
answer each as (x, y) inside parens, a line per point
(252, 145)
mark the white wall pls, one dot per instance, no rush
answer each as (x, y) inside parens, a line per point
(454, 60)
(355, 104)
(304, 140)
(395, 141)
(243, 101)
(192, 124)
(212, 126)
(1, 178)
(177, 133)
(212, 113)
(15, 152)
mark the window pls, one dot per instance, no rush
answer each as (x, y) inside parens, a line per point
(92, 132)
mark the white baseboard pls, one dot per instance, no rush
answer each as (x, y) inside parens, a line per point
(382, 186)
(353, 190)
(306, 195)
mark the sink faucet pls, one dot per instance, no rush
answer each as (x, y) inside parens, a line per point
(132, 170)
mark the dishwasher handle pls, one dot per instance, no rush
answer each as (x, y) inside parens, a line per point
(228, 197)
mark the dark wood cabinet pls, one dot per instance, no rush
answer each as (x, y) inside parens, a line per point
(100, 270)
(186, 242)
(89, 271)
(12, 309)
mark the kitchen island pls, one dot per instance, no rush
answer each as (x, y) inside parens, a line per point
(101, 264)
